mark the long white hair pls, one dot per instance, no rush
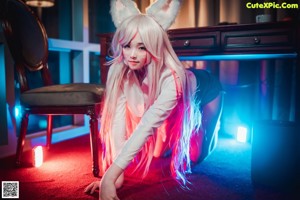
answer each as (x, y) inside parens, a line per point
(163, 56)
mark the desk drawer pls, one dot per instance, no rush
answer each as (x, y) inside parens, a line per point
(257, 40)
(194, 44)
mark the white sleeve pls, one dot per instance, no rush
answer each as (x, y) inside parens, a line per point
(118, 129)
(157, 113)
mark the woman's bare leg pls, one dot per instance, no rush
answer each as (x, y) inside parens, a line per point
(203, 142)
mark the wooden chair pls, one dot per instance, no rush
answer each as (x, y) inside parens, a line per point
(28, 44)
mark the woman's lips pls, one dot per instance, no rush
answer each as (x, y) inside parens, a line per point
(133, 62)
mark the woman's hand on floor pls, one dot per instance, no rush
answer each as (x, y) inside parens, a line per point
(91, 188)
(112, 179)
(107, 192)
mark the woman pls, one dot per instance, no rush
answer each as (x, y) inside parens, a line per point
(152, 106)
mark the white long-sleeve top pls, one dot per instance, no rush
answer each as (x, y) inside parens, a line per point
(131, 104)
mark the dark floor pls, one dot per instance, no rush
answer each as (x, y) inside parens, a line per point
(225, 175)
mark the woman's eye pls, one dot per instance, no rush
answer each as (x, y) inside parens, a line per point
(143, 48)
(126, 46)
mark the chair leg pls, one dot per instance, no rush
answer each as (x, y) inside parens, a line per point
(21, 139)
(49, 131)
(94, 136)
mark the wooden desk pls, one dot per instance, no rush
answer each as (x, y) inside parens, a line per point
(278, 39)
(235, 39)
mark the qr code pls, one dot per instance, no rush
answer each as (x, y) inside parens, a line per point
(10, 189)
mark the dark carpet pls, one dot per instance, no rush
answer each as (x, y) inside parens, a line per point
(66, 171)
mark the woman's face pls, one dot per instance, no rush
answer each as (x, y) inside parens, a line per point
(135, 53)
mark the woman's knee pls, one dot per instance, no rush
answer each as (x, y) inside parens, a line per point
(196, 143)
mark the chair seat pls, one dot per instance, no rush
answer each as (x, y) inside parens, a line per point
(74, 94)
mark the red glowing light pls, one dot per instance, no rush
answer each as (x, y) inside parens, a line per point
(37, 156)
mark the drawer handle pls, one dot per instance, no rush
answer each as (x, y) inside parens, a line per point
(186, 43)
(256, 40)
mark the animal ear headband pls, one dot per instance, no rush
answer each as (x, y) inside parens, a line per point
(163, 11)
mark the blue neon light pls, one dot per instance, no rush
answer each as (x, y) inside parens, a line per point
(241, 135)
(239, 57)
(18, 110)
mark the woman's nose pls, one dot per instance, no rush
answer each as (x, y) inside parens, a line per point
(133, 54)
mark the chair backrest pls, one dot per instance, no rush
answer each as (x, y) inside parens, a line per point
(27, 40)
